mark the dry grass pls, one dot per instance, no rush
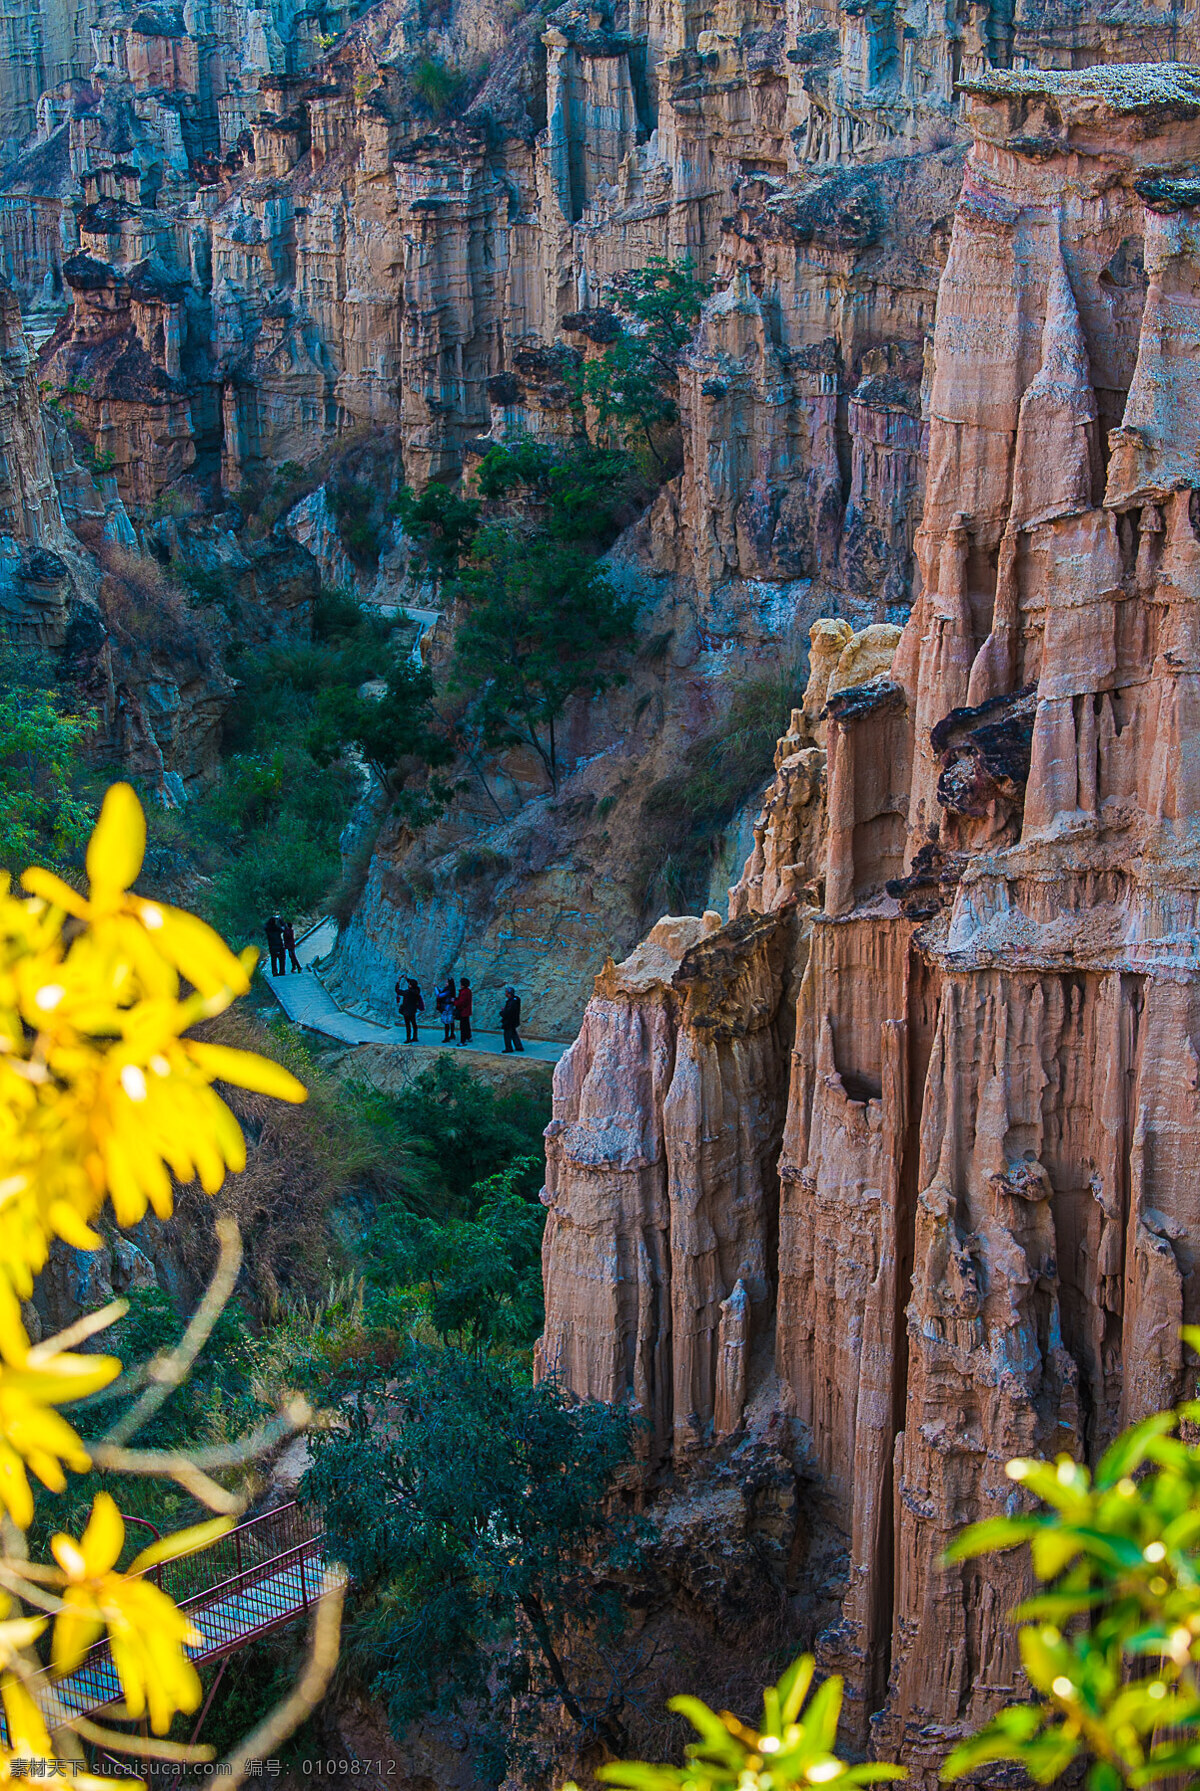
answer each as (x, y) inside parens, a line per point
(144, 608)
(300, 1162)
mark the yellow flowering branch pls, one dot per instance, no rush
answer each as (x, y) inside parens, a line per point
(106, 1099)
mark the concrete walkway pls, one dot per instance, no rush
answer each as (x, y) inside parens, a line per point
(305, 999)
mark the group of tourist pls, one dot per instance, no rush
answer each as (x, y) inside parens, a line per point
(454, 1004)
(281, 944)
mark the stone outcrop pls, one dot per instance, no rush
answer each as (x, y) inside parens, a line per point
(969, 1217)
(291, 250)
(77, 593)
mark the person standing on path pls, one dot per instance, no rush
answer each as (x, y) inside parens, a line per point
(464, 1001)
(411, 1005)
(446, 997)
(274, 931)
(510, 1019)
(289, 945)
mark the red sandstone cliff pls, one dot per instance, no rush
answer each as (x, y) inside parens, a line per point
(926, 1105)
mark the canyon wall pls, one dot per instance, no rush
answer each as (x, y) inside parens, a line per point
(253, 242)
(99, 618)
(923, 1108)
(250, 258)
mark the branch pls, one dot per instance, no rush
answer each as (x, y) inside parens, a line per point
(309, 1689)
(296, 1416)
(169, 1371)
(143, 1745)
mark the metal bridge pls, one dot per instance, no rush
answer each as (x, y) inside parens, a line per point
(248, 1582)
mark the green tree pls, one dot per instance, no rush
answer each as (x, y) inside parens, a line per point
(41, 810)
(579, 489)
(791, 1750)
(400, 735)
(462, 1132)
(442, 524)
(470, 1510)
(476, 1278)
(542, 624)
(634, 383)
(354, 504)
(1111, 1642)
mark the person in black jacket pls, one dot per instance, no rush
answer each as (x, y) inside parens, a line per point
(274, 931)
(411, 1004)
(289, 945)
(510, 1019)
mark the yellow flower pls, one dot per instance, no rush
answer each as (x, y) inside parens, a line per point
(146, 1632)
(101, 1092)
(32, 1434)
(30, 1741)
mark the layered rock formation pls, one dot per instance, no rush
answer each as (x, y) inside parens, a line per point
(75, 593)
(962, 1199)
(327, 261)
(258, 240)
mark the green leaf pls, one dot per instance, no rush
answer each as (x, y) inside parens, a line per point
(1051, 1549)
(1043, 1660)
(992, 1536)
(635, 1775)
(794, 1686)
(1056, 1607)
(821, 1717)
(709, 1725)
(1128, 1451)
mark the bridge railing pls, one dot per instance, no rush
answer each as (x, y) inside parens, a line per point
(258, 1542)
(257, 1576)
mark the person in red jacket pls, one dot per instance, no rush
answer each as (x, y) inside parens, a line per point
(464, 1001)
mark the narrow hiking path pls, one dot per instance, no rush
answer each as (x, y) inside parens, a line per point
(305, 999)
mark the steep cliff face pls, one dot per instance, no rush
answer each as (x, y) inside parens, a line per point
(256, 261)
(976, 1237)
(257, 240)
(117, 636)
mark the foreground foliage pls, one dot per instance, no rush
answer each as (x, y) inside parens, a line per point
(104, 1098)
(792, 1749)
(1111, 1644)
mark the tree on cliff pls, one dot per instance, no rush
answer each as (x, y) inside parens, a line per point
(441, 524)
(633, 384)
(401, 737)
(41, 807)
(582, 493)
(470, 1510)
(541, 624)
